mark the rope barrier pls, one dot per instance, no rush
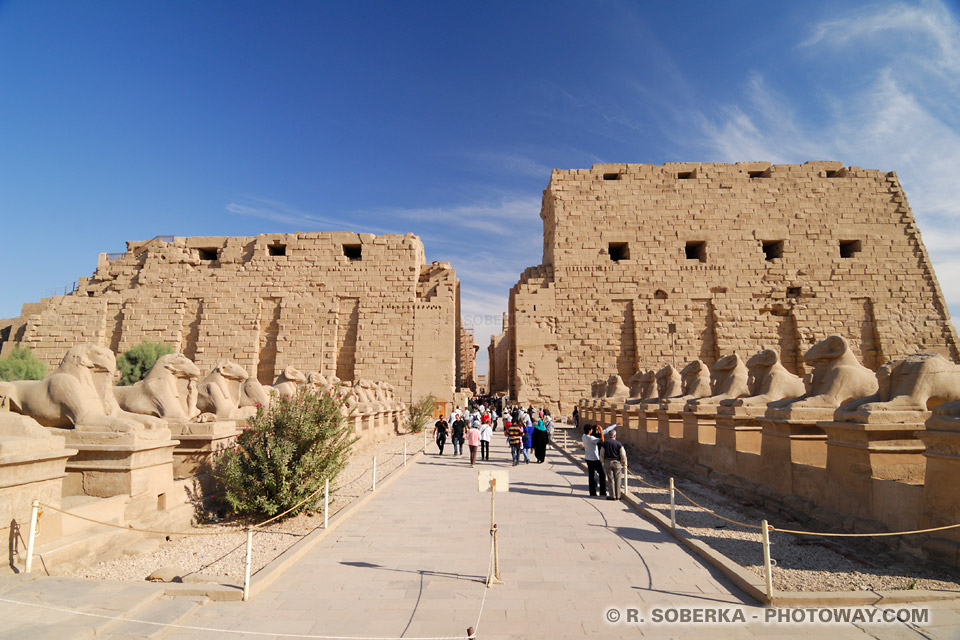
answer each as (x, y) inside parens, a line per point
(259, 525)
(795, 531)
(131, 528)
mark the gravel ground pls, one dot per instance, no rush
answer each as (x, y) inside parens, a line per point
(802, 563)
(222, 556)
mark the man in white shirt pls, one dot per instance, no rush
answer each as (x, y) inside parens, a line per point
(591, 438)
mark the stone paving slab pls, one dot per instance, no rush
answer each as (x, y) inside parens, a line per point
(411, 563)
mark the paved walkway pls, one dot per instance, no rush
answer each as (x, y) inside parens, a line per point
(411, 563)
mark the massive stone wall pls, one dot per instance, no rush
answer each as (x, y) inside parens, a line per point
(645, 265)
(353, 305)
(498, 357)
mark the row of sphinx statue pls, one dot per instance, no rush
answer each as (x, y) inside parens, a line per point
(80, 393)
(898, 391)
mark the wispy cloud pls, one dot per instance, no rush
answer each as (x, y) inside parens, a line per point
(276, 211)
(502, 218)
(903, 117)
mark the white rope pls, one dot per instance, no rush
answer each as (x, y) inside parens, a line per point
(234, 631)
(483, 600)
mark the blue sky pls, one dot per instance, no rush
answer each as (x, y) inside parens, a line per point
(125, 120)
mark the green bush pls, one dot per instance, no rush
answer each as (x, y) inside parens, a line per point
(285, 455)
(21, 364)
(420, 413)
(136, 362)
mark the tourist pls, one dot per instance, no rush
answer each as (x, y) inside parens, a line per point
(539, 441)
(486, 431)
(440, 433)
(527, 437)
(514, 433)
(576, 417)
(548, 424)
(592, 435)
(614, 458)
(473, 441)
(459, 426)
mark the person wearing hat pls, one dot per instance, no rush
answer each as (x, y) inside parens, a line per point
(593, 435)
(614, 458)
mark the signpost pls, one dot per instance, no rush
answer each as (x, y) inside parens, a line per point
(494, 481)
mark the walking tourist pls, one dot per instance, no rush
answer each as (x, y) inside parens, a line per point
(539, 440)
(459, 427)
(486, 431)
(514, 433)
(473, 440)
(614, 457)
(527, 437)
(592, 436)
(440, 433)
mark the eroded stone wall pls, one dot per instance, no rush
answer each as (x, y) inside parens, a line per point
(645, 265)
(354, 305)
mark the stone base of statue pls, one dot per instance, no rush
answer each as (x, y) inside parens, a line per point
(700, 431)
(32, 465)
(738, 435)
(940, 504)
(858, 456)
(199, 444)
(112, 463)
(793, 456)
(670, 429)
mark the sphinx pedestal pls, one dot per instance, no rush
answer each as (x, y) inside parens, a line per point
(870, 470)
(112, 463)
(793, 452)
(31, 468)
(631, 420)
(199, 444)
(670, 430)
(700, 433)
(940, 501)
(738, 436)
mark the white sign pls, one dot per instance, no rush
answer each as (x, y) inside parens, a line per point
(486, 477)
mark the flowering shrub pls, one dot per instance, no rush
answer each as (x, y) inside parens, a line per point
(285, 454)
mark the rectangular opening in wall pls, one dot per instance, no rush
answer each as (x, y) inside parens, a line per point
(833, 174)
(849, 248)
(759, 174)
(794, 292)
(209, 253)
(619, 251)
(696, 250)
(685, 175)
(353, 251)
(772, 249)
(277, 249)
(611, 176)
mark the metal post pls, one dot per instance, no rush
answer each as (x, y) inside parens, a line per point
(326, 503)
(673, 506)
(626, 482)
(404, 454)
(31, 534)
(246, 571)
(767, 569)
(374, 473)
(424, 441)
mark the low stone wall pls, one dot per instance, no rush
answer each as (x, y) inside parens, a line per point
(855, 477)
